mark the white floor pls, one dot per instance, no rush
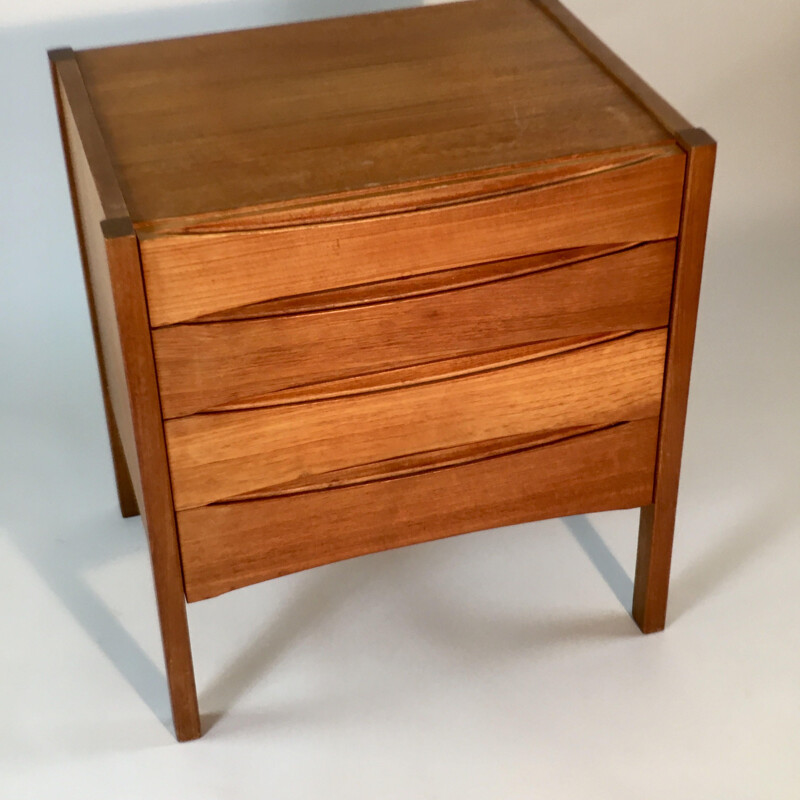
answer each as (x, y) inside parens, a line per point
(495, 665)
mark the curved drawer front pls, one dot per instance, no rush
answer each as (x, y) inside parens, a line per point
(602, 200)
(230, 545)
(316, 339)
(371, 429)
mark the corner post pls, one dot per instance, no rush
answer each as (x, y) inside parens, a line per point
(657, 521)
(126, 495)
(159, 514)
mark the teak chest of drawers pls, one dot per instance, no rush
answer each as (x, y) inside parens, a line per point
(371, 281)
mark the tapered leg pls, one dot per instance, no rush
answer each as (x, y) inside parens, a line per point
(657, 521)
(653, 560)
(177, 651)
(158, 511)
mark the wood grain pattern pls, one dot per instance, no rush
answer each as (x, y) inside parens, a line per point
(639, 89)
(413, 285)
(232, 545)
(428, 372)
(401, 198)
(354, 103)
(657, 522)
(94, 191)
(159, 514)
(117, 301)
(126, 494)
(472, 310)
(417, 463)
(190, 275)
(215, 457)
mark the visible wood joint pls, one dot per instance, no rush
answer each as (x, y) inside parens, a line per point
(61, 54)
(693, 138)
(117, 227)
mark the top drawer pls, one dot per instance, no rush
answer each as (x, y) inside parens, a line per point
(627, 197)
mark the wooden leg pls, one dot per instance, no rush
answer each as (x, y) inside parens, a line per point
(178, 660)
(653, 560)
(158, 511)
(657, 521)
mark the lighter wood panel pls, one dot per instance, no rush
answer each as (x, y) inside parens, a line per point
(214, 457)
(472, 310)
(413, 285)
(235, 544)
(427, 372)
(335, 105)
(194, 274)
(416, 464)
(125, 491)
(90, 213)
(403, 197)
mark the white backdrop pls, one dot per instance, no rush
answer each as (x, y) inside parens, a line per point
(500, 665)
(14, 12)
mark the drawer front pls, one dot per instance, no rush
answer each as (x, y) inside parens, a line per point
(377, 427)
(336, 335)
(608, 200)
(231, 545)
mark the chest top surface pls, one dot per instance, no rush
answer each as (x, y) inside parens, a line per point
(201, 126)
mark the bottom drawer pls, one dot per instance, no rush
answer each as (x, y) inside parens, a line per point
(505, 482)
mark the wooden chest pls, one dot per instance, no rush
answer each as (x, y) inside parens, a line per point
(371, 281)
